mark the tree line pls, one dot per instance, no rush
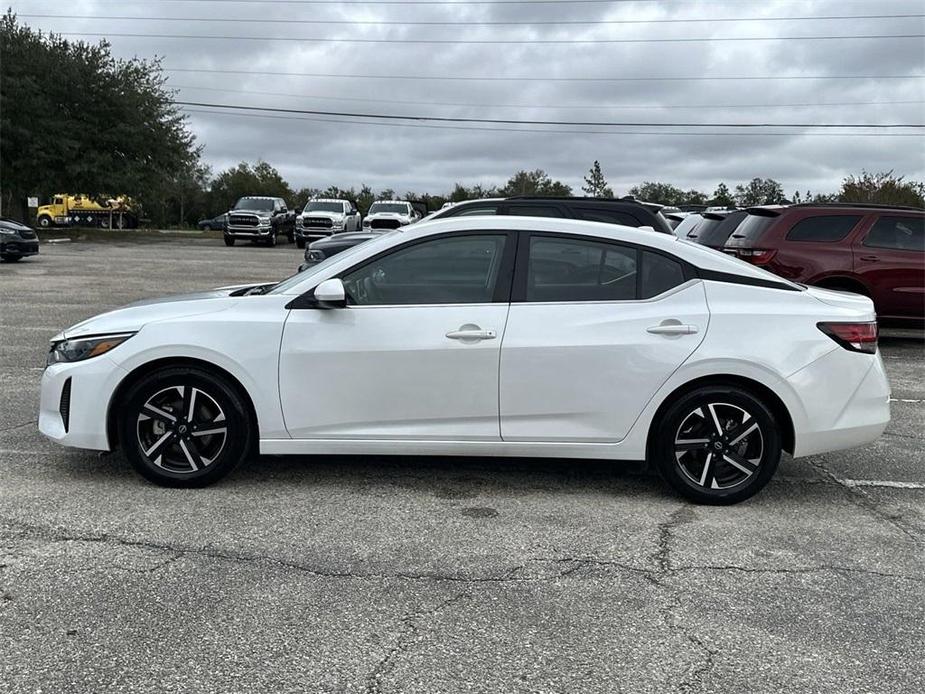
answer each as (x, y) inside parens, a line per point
(75, 119)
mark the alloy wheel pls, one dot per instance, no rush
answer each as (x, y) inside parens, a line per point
(181, 429)
(719, 445)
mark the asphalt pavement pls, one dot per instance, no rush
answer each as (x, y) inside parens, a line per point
(392, 574)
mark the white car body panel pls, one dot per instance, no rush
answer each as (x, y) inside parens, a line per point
(559, 379)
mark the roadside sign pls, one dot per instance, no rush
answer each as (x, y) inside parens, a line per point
(32, 202)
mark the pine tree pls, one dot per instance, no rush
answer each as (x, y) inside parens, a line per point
(597, 185)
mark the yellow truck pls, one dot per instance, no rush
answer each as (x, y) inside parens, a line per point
(85, 211)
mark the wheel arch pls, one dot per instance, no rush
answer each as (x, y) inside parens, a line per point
(139, 372)
(768, 396)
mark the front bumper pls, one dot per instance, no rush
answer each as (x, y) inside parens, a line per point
(19, 248)
(248, 232)
(92, 385)
(315, 233)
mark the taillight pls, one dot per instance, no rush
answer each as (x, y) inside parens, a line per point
(856, 337)
(756, 256)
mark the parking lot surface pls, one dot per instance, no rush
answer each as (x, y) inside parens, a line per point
(349, 574)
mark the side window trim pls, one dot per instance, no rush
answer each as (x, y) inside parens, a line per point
(519, 287)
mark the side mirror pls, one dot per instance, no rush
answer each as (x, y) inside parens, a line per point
(331, 294)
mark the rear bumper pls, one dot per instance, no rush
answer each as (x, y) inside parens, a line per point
(19, 248)
(846, 402)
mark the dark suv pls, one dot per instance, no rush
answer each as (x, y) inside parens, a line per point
(16, 240)
(875, 250)
(628, 212)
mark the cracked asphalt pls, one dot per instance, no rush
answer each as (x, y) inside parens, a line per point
(351, 574)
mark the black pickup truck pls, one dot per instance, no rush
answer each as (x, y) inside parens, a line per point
(260, 219)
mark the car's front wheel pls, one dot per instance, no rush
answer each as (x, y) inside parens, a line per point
(184, 427)
(229, 240)
(717, 445)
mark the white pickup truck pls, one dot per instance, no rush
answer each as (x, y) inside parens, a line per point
(391, 214)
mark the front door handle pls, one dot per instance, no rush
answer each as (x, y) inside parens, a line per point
(870, 258)
(673, 328)
(471, 333)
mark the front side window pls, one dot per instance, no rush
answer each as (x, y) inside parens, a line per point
(825, 228)
(449, 270)
(560, 269)
(900, 233)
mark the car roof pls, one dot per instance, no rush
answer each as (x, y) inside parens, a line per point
(403, 202)
(328, 200)
(699, 256)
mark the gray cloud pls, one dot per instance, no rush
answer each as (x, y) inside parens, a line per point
(316, 153)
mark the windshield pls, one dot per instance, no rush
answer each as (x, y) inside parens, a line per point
(324, 207)
(396, 207)
(295, 279)
(258, 204)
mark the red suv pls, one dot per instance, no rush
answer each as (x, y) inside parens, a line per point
(874, 250)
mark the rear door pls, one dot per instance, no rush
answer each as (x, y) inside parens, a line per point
(595, 329)
(890, 258)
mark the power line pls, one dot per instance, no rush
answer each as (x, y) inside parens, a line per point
(527, 78)
(376, 22)
(456, 42)
(547, 132)
(506, 121)
(598, 107)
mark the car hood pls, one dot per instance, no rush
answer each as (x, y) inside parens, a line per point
(388, 215)
(134, 316)
(326, 215)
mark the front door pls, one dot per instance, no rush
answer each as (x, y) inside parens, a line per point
(595, 329)
(415, 353)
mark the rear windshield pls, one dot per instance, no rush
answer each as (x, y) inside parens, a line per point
(687, 225)
(715, 235)
(750, 230)
(704, 227)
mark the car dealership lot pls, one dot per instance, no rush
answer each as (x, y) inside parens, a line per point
(395, 574)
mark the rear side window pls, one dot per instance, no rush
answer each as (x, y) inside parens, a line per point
(575, 269)
(579, 270)
(659, 274)
(901, 233)
(823, 228)
(609, 217)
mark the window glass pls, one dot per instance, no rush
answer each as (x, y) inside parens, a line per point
(715, 235)
(608, 216)
(659, 274)
(534, 211)
(901, 233)
(687, 225)
(475, 209)
(823, 228)
(578, 270)
(451, 270)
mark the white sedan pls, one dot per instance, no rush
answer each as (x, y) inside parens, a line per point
(499, 336)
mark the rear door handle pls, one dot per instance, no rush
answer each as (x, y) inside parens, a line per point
(672, 329)
(870, 258)
(471, 333)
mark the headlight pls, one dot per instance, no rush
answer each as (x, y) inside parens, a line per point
(81, 348)
(7, 232)
(264, 220)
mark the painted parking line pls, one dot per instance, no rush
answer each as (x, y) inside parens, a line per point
(912, 400)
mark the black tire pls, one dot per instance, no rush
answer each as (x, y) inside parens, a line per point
(707, 467)
(44, 221)
(171, 453)
(290, 236)
(271, 242)
(10, 258)
(229, 241)
(300, 243)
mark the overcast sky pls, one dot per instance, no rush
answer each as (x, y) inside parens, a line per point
(310, 152)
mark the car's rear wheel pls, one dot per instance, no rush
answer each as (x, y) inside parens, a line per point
(717, 445)
(184, 427)
(229, 241)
